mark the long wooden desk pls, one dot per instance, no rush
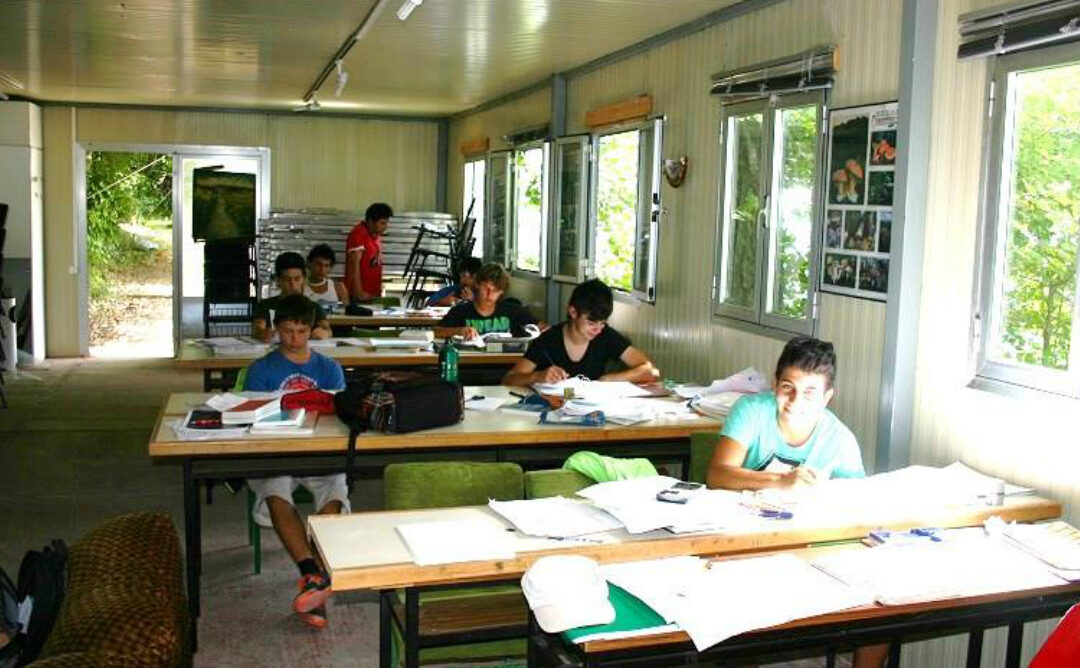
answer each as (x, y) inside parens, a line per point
(195, 356)
(825, 634)
(375, 321)
(365, 551)
(494, 436)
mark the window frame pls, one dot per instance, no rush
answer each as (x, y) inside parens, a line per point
(766, 219)
(990, 274)
(493, 159)
(584, 201)
(478, 224)
(647, 216)
(545, 210)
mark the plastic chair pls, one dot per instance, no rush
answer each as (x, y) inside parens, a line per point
(441, 485)
(1062, 648)
(702, 445)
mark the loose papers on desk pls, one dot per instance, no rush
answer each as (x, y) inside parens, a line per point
(234, 346)
(455, 541)
(713, 602)
(915, 573)
(624, 411)
(1056, 543)
(555, 517)
(593, 390)
(747, 381)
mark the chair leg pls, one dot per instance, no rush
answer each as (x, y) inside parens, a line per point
(412, 628)
(254, 534)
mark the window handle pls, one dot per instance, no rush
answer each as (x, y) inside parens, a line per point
(763, 215)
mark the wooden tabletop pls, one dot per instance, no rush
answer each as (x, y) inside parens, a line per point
(195, 356)
(365, 551)
(342, 320)
(478, 430)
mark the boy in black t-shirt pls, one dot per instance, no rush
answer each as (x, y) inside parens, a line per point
(290, 272)
(488, 311)
(583, 345)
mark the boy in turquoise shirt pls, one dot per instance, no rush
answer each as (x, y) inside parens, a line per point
(788, 438)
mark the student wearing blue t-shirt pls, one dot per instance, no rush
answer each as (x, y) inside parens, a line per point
(294, 366)
(788, 438)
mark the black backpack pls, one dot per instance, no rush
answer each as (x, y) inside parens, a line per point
(42, 579)
(397, 403)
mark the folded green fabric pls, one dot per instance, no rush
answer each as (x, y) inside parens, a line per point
(606, 469)
(631, 614)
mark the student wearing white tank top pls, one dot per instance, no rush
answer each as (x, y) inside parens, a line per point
(320, 287)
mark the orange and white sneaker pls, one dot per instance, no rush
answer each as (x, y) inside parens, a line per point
(315, 618)
(314, 592)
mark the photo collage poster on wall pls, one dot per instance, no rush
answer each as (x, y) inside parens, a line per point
(859, 209)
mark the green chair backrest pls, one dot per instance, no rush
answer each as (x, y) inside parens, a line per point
(241, 377)
(702, 445)
(554, 482)
(447, 484)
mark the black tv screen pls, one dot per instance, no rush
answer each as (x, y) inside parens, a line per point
(222, 205)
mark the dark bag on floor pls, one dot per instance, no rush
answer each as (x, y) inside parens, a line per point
(397, 403)
(42, 579)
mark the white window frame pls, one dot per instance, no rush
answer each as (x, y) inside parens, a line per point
(995, 211)
(757, 315)
(545, 208)
(581, 224)
(480, 224)
(498, 161)
(649, 202)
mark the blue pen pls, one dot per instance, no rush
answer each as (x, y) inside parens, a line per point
(768, 513)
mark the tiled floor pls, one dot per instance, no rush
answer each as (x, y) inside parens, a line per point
(73, 453)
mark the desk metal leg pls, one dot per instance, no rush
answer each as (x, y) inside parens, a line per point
(1015, 643)
(193, 548)
(531, 658)
(386, 640)
(830, 657)
(894, 654)
(974, 651)
(412, 628)
(207, 383)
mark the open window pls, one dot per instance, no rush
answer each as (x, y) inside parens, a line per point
(529, 205)
(625, 215)
(474, 197)
(571, 197)
(496, 231)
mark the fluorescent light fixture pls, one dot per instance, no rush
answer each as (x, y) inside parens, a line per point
(407, 8)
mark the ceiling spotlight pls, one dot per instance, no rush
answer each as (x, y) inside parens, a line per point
(342, 78)
(407, 8)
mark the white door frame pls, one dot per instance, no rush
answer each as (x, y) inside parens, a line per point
(178, 152)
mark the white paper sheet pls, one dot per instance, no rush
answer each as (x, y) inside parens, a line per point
(747, 381)
(485, 404)
(593, 390)
(455, 541)
(628, 410)
(186, 434)
(913, 573)
(742, 595)
(555, 517)
(633, 502)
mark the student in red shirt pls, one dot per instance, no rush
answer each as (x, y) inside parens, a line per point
(363, 253)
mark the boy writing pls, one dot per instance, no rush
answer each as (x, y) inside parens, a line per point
(294, 366)
(583, 345)
(462, 291)
(789, 438)
(290, 273)
(488, 311)
(363, 253)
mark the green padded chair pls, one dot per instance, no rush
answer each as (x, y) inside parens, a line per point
(554, 482)
(442, 485)
(702, 445)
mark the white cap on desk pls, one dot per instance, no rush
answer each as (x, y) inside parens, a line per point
(566, 592)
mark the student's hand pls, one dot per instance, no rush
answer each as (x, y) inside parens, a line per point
(466, 294)
(319, 333)
(469, 333)
(552, 374)
(799, 476)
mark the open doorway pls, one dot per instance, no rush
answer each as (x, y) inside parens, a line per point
(129, 247)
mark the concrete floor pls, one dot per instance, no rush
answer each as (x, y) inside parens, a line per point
(73, 453)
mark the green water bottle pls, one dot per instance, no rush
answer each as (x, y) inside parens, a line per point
(448, 361)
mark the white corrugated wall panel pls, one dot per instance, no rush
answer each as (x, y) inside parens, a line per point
(679, 330)
(1029, 441)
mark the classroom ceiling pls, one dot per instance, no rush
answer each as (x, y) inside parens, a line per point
(448, 56)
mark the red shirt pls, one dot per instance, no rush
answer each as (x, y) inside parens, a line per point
(370, 248)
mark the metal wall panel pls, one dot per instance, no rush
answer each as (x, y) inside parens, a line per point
(679, 330)
(1030, 441)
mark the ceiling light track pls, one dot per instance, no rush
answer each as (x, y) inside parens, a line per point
(346, 46)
